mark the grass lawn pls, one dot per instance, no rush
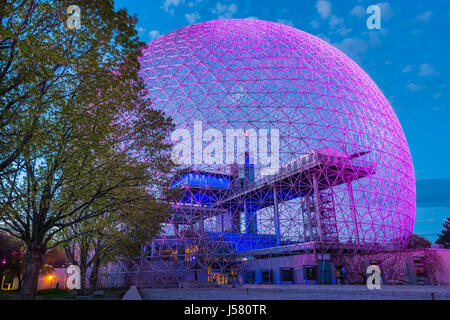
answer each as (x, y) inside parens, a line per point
(59, 294)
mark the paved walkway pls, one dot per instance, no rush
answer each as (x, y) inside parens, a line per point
(300, 292)
(132, 294)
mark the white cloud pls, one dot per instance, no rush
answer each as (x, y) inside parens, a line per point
(154, 34)
(441, 107)
(252, 17)
(168, 4)
(338, 24)
(414, 87)
(424, 17)
(192, 17)
(314, 24)
(224, 11)
(323, 8)
(335, 21)
(358, 11)
(408, 68)
(427, 70)
(386, 10)
(352, 46)
(192, 4)
(286, 22)
(141, 30)
(323, 37)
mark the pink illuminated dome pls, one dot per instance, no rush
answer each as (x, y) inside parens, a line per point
(343, 173)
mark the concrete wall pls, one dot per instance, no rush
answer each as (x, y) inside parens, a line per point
(443, 275)
(295, 262)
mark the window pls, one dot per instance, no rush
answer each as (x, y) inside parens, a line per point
(249, 277)
(310, 273)
(264, 276)
(287, 275)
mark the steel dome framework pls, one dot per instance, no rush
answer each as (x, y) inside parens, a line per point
(346, 180)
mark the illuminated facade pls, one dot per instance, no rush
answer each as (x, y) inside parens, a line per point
(343, 179)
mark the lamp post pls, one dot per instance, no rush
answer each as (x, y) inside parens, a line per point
(50, 277)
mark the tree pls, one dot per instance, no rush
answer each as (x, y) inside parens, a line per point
(444, 236)
(417, 242)
(77, 132)
(121, 232)
(11, 257)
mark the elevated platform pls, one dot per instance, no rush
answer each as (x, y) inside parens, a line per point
(296, 180)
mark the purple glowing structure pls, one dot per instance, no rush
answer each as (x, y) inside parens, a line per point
(346, 178)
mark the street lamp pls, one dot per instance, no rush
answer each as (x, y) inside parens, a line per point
(50, 278)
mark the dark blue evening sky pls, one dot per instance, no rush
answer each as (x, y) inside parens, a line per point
(407, 59)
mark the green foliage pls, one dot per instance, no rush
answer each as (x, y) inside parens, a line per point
(417, 242)
(444, 236)
(12, 253)
(78, 138)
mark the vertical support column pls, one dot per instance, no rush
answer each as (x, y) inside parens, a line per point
(353, 209)
(277, 216)
(251, 223)
(202, 225)
(219, 223)
(153, 248)
(175, 229)
(308, 208)
(317, 212)
(236, 220)
(303, 220)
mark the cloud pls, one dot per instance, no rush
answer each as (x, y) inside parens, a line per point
(192, 4)
(433, 192)
(286, 22)
(323, 37)
(408, 68)
(323, 8)
(358, 11)
(414, 87)
(314, 24)
(192, 17)
(386, 10)
(442, 107)
(336, 23)
(224, 11)
(168, 4)
(154, 34)
(424, 17)
(141, 31)
(352, 47)
(427, 70)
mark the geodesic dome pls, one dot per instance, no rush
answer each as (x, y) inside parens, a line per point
(345, 172)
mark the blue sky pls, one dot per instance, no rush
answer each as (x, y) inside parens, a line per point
(407, 58)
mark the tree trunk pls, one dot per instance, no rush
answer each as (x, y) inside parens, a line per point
(33, 262)
(83, 276)
(93, 278)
